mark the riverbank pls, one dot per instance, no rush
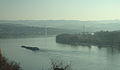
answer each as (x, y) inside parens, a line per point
(102, 38)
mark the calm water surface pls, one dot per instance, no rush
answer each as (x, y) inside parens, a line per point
(80, 57)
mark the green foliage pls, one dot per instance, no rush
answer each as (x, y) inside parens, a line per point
(67, 39)
(99, 38)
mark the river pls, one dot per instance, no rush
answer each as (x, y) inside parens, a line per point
(80, 57)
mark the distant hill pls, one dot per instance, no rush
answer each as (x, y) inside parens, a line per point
(10, 30)
(88, 26)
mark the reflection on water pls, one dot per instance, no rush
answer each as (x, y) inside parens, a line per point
(81, 57)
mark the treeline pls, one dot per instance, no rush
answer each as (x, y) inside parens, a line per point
(102, 38)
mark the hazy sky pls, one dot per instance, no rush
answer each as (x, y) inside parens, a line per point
(59, 9)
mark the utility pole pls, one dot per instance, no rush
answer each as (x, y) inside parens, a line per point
(0, 54)
(83, 29)
(46, 31)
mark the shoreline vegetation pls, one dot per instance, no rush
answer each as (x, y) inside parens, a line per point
(8, 65)
(101, 38)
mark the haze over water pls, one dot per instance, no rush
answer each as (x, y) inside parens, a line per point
(36, 23)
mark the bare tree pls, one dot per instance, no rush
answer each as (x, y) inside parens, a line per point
(60, 65)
